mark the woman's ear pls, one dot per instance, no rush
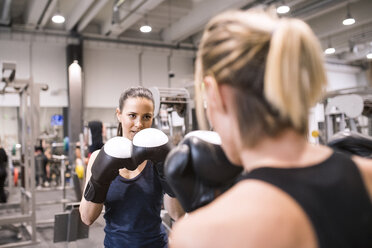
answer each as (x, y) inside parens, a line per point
(214, 94)
(118, 114)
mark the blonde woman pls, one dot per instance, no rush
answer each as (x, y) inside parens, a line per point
(259, 76)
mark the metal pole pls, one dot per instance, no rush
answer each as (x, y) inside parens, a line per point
(63, 180)
(34, 103)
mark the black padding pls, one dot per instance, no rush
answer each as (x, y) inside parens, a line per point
(213, 166)
(353, 145)
(155, 154)
(104, 169)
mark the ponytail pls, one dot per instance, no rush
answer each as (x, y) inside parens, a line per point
(294, 76)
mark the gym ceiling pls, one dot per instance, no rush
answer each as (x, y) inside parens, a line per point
(179, 22)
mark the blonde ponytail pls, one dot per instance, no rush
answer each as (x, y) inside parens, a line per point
(294, 76)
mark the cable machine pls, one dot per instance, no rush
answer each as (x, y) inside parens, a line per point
(347, 110)
(172, 111)
(28, 117)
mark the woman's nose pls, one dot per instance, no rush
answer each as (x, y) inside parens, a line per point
(139, 123)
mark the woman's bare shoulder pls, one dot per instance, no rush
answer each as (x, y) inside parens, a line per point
(364, 164)
(92, 157)
(245, 216)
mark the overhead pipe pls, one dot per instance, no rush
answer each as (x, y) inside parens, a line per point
(4, 18)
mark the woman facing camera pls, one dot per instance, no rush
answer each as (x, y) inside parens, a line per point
(132, 194)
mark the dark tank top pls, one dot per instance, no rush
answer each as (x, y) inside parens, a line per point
(132, 212)
(333, 196)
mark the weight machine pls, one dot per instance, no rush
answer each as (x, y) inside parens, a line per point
(347, 110)
(172, 111)
(28, 119)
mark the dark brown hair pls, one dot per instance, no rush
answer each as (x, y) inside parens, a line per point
(133, 92)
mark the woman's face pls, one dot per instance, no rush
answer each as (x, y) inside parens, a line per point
(137, 114)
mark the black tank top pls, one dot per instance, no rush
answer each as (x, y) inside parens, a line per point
(333, 196)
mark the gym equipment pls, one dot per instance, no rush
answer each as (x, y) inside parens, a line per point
(352, 143)
(345, 110)
(172, 111)
(29, 93)
(68, 225)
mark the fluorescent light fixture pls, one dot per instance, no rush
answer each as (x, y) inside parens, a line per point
(58, 18)
(369, 55)
(348, 21)
(145, 29)
(283, 9)
(330, 50)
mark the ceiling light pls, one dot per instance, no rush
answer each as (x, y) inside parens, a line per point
(283, 9)
(349, 20)
(58, 18)
(369, 55)
(330, 50)
(145, 29)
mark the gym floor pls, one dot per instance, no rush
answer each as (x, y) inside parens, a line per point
(45, 212)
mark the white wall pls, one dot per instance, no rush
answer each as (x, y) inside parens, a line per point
(49, 67)
(8, 126)
(108, 71)
(343, 76)
(111, 68)
(183, 69)
(42, 59)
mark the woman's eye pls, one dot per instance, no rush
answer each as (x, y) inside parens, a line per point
(147, 117)
(132, 115)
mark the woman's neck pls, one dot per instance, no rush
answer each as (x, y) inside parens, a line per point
(289, 149)
(128, 174)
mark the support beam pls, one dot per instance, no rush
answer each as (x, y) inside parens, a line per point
(81, 7)
(325, 27)
(131, 17)
(34, 11)
(91, 14)
(5, 12)
(198, 17)
(48, 13)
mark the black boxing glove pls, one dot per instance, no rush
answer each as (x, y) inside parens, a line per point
(153, 144)
(354, 144)
(198, 170)
(114, 155)
(150, 144)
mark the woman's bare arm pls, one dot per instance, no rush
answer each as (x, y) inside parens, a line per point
(173, 206)
(90, 211)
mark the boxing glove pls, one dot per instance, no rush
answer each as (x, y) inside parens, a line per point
(114, 155)
(152, 144)
(353, 145)
(198, 170)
